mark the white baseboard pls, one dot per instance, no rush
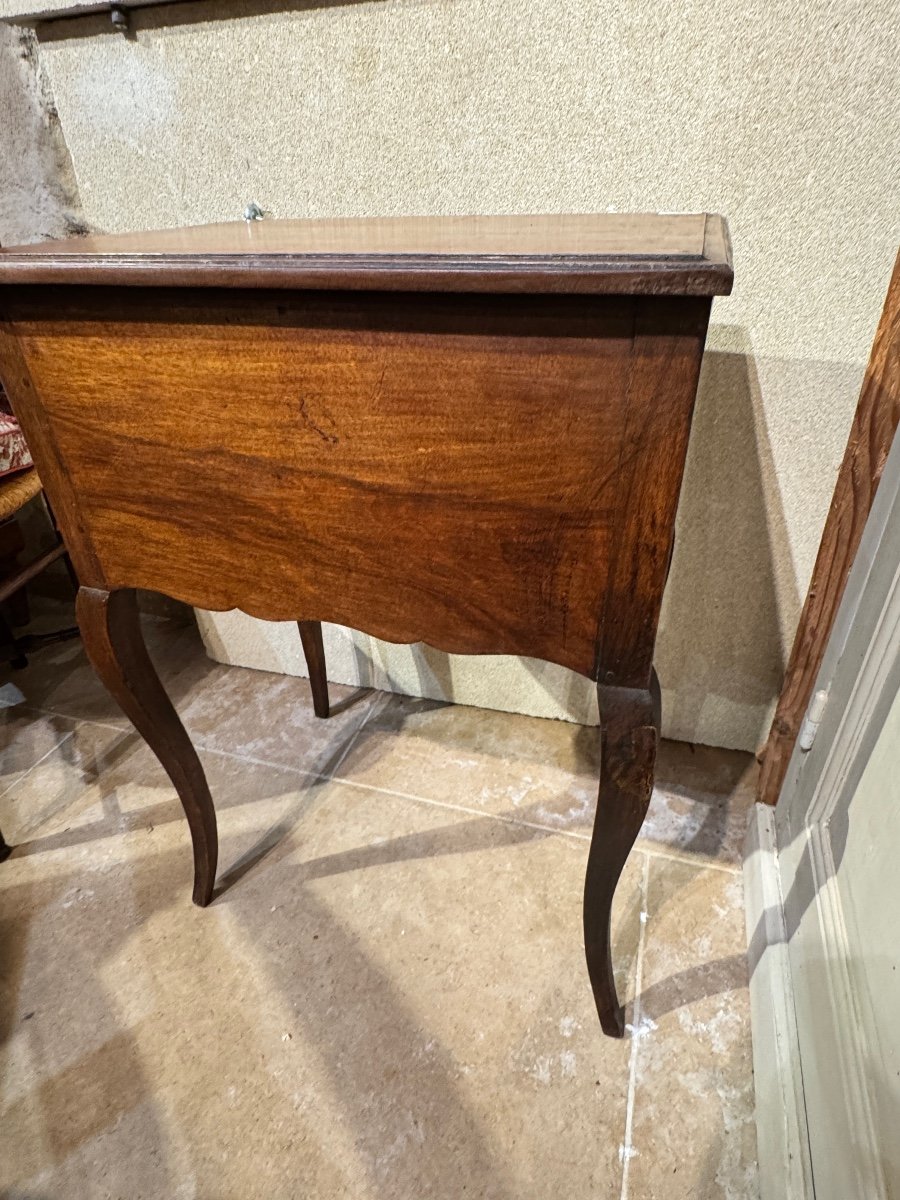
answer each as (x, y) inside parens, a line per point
(785, 1171)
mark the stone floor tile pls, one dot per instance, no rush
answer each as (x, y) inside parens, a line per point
(546, 773)
(538, 771)
(270, 718)
(251, 713)
(108, 784)
(386, 1000)
(499, 763)
(387, 997)
(50, 793)
(702, 799)
(59, 678)
(693, 1132)
(25, 736)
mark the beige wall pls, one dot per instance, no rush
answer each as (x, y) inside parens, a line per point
(782, 115)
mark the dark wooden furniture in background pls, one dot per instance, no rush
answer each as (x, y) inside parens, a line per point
(15, 492)
(464, 431)
(871, 435)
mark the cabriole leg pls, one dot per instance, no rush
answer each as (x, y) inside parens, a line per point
(111, 631)
(629, 732)
(313, 648)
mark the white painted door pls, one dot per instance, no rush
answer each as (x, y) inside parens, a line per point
(838, 853)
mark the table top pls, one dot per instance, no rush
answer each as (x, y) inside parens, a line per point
(604, 253)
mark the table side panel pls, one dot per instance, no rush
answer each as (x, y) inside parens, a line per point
(438, 468)
(669, 336)
(39, 433)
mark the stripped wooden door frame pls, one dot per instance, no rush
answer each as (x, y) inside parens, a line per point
(871, 435)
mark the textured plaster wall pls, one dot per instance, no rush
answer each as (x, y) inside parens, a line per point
(783, 115)
(37, 188)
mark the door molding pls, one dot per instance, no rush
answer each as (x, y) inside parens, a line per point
(785, 1170)
(810, 1042)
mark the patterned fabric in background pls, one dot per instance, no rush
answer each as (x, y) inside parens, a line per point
(14, 453)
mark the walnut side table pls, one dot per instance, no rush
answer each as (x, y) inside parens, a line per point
(464, 431)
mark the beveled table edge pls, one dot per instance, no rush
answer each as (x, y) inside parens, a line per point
(551, 274)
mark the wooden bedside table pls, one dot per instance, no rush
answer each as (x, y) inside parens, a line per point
(468, 431)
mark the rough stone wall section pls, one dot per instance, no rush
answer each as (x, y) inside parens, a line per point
(38, 190)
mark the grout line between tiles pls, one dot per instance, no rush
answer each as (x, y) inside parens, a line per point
(644, 848)
(352, 742)
(24, 774)
(700, 864)
(472, 812)
(652, 852)
(54, 712)
(259, 762)
(627, 1150)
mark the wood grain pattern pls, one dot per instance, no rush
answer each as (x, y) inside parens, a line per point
(42, 443)
(665, 365)
(682, 254)
(871, 434)
(446, 473)
(436, 460)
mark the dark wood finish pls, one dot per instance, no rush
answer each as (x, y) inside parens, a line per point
(311, 638)
(667, 349)
(111, 630)
(15, 492)
(12, 543)
(613, 253)
(871, 434)
(487, 472)
(15, 582)
(629, 734)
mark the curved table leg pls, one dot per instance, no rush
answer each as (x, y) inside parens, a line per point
(629, 732)
(311, 637)
(111, 632)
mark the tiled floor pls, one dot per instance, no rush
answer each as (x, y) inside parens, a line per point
(387, 999)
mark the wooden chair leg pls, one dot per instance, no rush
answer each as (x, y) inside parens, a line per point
(70, 571)
(111, 632)
(313, 648)
(10, 650)
(629, 733)
(67, 562)
(12, 543)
